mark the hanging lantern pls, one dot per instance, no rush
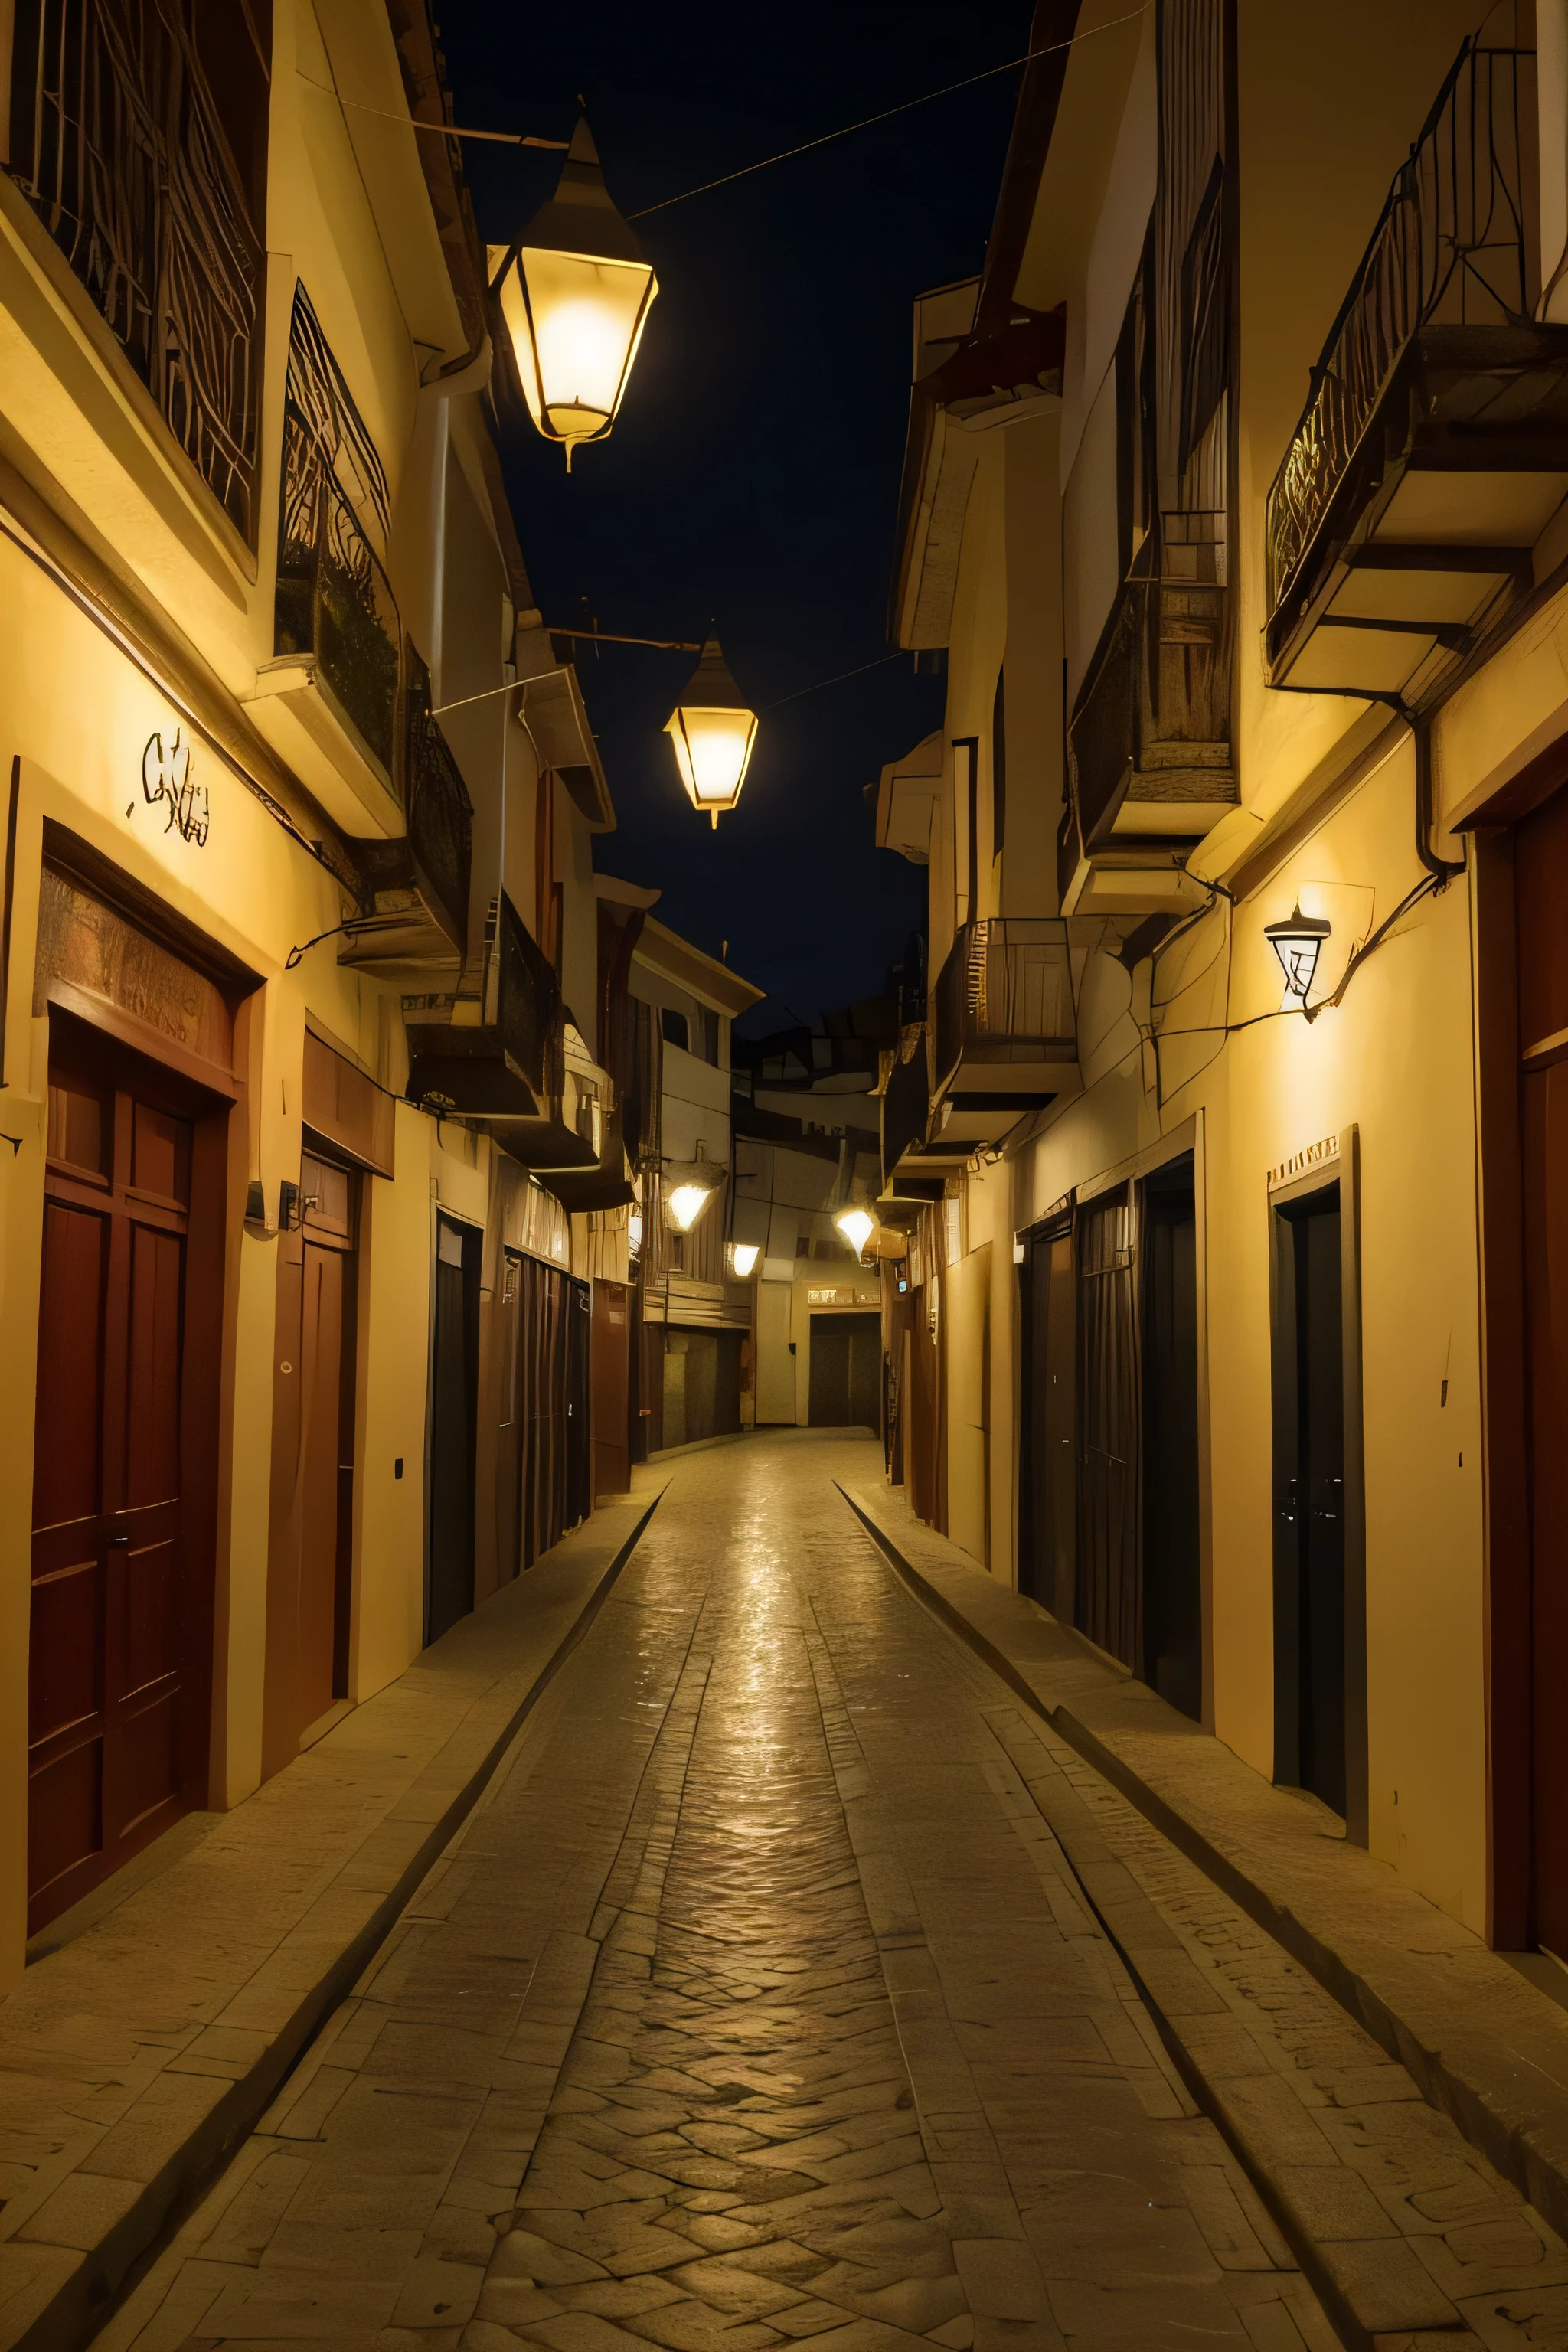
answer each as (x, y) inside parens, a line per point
(1298, 943)
(690, 1186)
(857, 1226)
(576, 291)
(713, 733)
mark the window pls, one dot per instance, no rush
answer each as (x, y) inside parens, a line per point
(674, 1028)
(708, 1045)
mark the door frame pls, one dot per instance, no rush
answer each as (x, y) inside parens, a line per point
(1339, 1165)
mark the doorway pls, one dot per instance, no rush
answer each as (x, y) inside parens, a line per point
(120, 1621)
(611, 1383)
(1319, 1702)
(453, 1390)
(1047, 1554)
(1173, 1567)
(845, 1371)
(310, 1545)
(1109, 1584)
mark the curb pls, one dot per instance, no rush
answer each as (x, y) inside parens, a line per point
(108, 2271)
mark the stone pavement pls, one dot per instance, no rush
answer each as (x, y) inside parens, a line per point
(1470, 2026)
(757, 2003)
(134, 2058)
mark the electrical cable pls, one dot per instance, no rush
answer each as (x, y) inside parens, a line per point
(445, 130)
(888, 113)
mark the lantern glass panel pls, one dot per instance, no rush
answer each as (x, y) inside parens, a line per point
(687, 1202)
(857, 1227)
(576, 323)
(712, 751)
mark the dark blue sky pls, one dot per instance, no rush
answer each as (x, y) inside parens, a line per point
(753, 472)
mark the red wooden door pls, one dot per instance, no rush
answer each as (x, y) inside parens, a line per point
(310, 1551)
(106, 1674)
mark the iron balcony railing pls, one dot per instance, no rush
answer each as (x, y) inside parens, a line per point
(334, 599)
(1004, 995)
(1456, 244)
(121, 148)
(437, 806)
(529, 1011)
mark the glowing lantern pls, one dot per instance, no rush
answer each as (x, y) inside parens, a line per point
(687, 1202)
(857, 1226)
(713, 733)
(575, 292)
(1298, 943)
(742, 1258)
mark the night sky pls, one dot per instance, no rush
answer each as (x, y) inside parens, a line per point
(752, 474)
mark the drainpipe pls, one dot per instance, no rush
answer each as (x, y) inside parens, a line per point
(1552, 104)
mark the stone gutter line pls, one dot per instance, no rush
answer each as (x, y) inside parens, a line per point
(1481, 2114)
(107, 2269)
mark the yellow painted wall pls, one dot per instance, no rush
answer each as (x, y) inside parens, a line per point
(967, 1293)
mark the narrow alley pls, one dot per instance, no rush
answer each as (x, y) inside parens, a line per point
(758, 2003)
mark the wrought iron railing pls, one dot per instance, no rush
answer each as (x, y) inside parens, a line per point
(1004, 995)
(1456, 244)
(334, 599)
(120, 146)
(906, 1101)
(530, 1013)
(439, 813)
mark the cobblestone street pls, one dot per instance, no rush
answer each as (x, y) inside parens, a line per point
(758, 2005)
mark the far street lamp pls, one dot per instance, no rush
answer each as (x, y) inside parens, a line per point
(857, 1226)
(576, 291)
(713, 734)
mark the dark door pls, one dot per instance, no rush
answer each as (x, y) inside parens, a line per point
(507, 1313)
(544, 1402)
(1107, 1594)
(120, 1602)
(1172, 1575)
(1047, 1566)
(1310, 1498)
(311, 1536)
(924, 1469)
(846, 1371)
(579, 1426)
(454, 1386)
(611, 1377)
(1541, 875)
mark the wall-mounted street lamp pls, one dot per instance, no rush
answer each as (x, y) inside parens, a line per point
(576, 291)
(742, 1258)
(713, 734)
(695, 1185)
(857, 1226)
(1298, 942)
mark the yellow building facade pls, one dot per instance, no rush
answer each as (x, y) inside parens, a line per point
(1217, 1319)
(280, 854)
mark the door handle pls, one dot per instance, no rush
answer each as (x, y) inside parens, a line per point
(119, 1539)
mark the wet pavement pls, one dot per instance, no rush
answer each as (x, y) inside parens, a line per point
(756, 2004)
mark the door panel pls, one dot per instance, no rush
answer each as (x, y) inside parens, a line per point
(1309, 1498)
(321, 1370)
(610, 1344)
(449, 1575)
(1107, 1582)
(1546, 1315)
(1172, 1572)
(109, 1682)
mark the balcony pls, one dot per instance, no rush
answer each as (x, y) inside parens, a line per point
(1433, 451)
(417, 886)
(501, 1058)
(328, 701)
(126, 153)
(1004, 1034)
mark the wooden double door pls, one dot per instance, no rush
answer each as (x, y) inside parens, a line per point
(310, 1545)
(543, 1457)
(121, 1626)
